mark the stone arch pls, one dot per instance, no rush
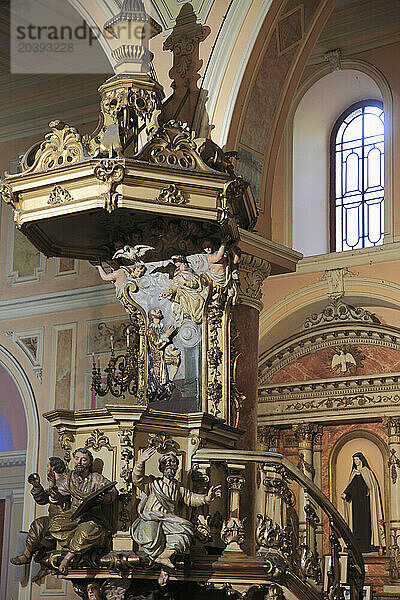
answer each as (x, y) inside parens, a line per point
(289, 313)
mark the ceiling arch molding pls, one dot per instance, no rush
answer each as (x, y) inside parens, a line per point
(276, 64)
(228, 62)
(289, 313)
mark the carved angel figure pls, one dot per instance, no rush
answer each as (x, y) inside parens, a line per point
(223, 265)
(188, 293)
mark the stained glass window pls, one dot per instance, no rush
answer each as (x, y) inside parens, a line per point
(357, 177)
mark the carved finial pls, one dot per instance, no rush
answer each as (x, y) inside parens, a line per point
(184, 42)
(133, 27)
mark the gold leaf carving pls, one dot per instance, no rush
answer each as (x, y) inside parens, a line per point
(6, 194)
(111, 173)
(172, 145)
(61, 147)
(163, 442)
(65, 441)
(97, 441)
(59, 195)
(171, 195)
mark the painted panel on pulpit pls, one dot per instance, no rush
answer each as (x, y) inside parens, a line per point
(358, 480)
(169, 298)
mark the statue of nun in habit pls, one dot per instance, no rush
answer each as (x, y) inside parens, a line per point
(363, 509)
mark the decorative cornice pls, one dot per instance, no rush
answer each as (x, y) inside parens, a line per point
(12, 459)
(269, 247)
(299, 390)
(350, 258)
(338, 311)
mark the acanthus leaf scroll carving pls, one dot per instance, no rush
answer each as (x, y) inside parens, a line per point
(65, 441)
(7, 194)
(344, 402)
(171, 194)
(268, 437)
(269, 534)
(172, 145)
(59, 195)
(61, 147)
(338, 311)
(252, 273)
(98, 440)
(393, 426)
(163, 443)
(110, 172)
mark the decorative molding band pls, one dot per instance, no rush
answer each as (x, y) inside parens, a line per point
(330, 408)
(96, 295)
(14, 458)
(320, 388)
(350, 258)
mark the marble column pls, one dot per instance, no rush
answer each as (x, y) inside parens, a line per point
(245, 333)
(393, 429)
(244, 385)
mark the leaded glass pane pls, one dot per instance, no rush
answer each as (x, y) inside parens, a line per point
(358, 177)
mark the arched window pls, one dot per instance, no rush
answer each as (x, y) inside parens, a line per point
(357, 177)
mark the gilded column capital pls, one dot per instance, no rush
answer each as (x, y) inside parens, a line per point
(252, 272)
(308, 432)
(268, 437)
(393, 426)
